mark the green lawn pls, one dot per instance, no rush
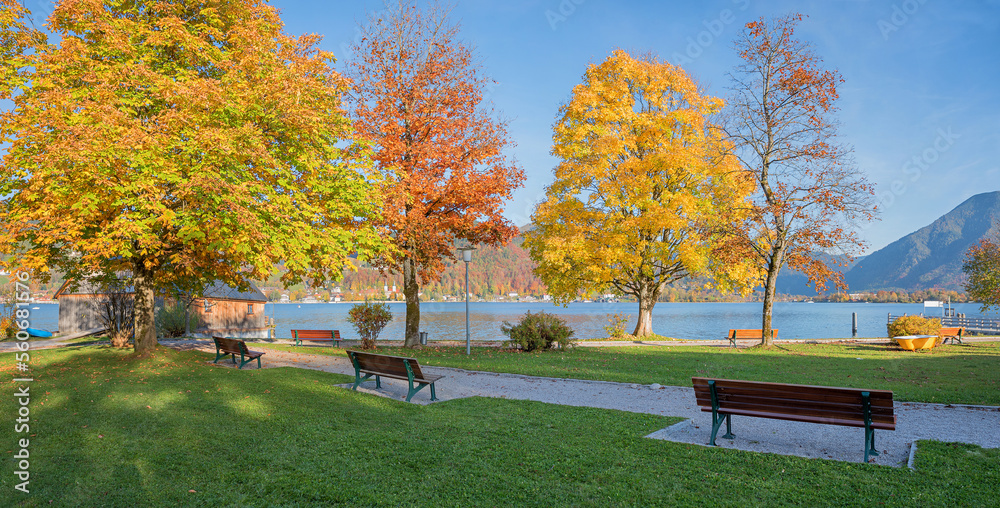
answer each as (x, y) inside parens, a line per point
(961, 374)
(112, 430)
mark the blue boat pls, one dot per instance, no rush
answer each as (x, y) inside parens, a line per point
(34, 332)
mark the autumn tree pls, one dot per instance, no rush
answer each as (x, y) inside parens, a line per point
(643, 182)
(982, 266)
(809, 193)
(182, 141)
(17, 42)
(419, 100)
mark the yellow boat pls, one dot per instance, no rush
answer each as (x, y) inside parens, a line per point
(915, 342)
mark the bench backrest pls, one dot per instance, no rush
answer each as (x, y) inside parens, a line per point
(390, 365)
(235, 346)
(742, 333)
(948, 332)
(315, 334)
(824, 404)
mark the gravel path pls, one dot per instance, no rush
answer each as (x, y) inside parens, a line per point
(914, 421)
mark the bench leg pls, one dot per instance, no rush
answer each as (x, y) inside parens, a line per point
(717, 417)
(717, 420)
(420, 386)
(866, 408)
(870, 444)
(358, 380)
(218, 354)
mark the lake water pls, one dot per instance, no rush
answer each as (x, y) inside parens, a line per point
(446, 321)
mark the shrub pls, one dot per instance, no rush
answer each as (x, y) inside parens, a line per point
(170, 321)
(616, 326)
(538, 331)
(7, 328)
(369, 319)
(914, 325)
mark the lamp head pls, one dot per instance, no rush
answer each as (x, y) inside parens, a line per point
(467, 253)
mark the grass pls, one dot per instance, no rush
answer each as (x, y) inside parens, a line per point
(956, 374)
(109, 429)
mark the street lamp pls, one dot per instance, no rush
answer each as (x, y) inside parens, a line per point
(467, 257)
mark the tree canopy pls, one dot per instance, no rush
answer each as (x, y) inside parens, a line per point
(982, 266)
(182, 141)
(809, 193)
(643, 185)
(420, 100)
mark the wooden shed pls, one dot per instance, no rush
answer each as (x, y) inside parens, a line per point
(228, 312)
(222, 310)
(78, 308)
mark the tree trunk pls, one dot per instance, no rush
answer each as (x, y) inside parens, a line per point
(145, 329)
(773, 267)
(187, 318)
(647, 299)
(411, 290)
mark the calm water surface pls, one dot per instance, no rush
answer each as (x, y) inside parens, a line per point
(446, 321)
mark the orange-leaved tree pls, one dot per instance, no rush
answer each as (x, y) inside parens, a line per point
(182, 142)
(809, 193)
(643, 187)
(419, 99)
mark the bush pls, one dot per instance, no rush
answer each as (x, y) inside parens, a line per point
(616, 326)
(538, 331)
(7, 328)
(170, 321)
(369, 319)
(914, 325)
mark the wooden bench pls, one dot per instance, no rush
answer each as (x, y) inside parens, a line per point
(757, 334)
(318, 335)
(851, 407)
(233, 347)
(951, 333)
(395, 367)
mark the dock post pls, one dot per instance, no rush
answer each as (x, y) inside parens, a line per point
(854, 325)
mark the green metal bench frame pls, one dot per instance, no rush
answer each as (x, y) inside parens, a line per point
(316, 335)
(410, 376)
(957, 336)
(719, 415)
(221, 352)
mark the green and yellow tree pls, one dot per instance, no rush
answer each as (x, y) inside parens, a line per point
(17, 41)
(982, 266)
(643, 185)
(181, 142)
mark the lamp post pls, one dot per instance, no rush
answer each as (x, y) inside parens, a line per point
(467, 257)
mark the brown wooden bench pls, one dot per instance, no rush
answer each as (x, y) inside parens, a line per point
(318, 335)
(395, 367)
(233, 347)
(851, 407)
(951, 333)
(741, 333)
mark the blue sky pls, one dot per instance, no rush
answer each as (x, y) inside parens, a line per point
(920, 105)
(922, 78)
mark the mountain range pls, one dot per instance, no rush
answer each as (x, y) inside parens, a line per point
(932, 256)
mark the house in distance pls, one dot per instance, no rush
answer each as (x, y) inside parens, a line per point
(222, 310)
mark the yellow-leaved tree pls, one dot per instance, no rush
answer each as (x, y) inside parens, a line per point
(643, 185)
